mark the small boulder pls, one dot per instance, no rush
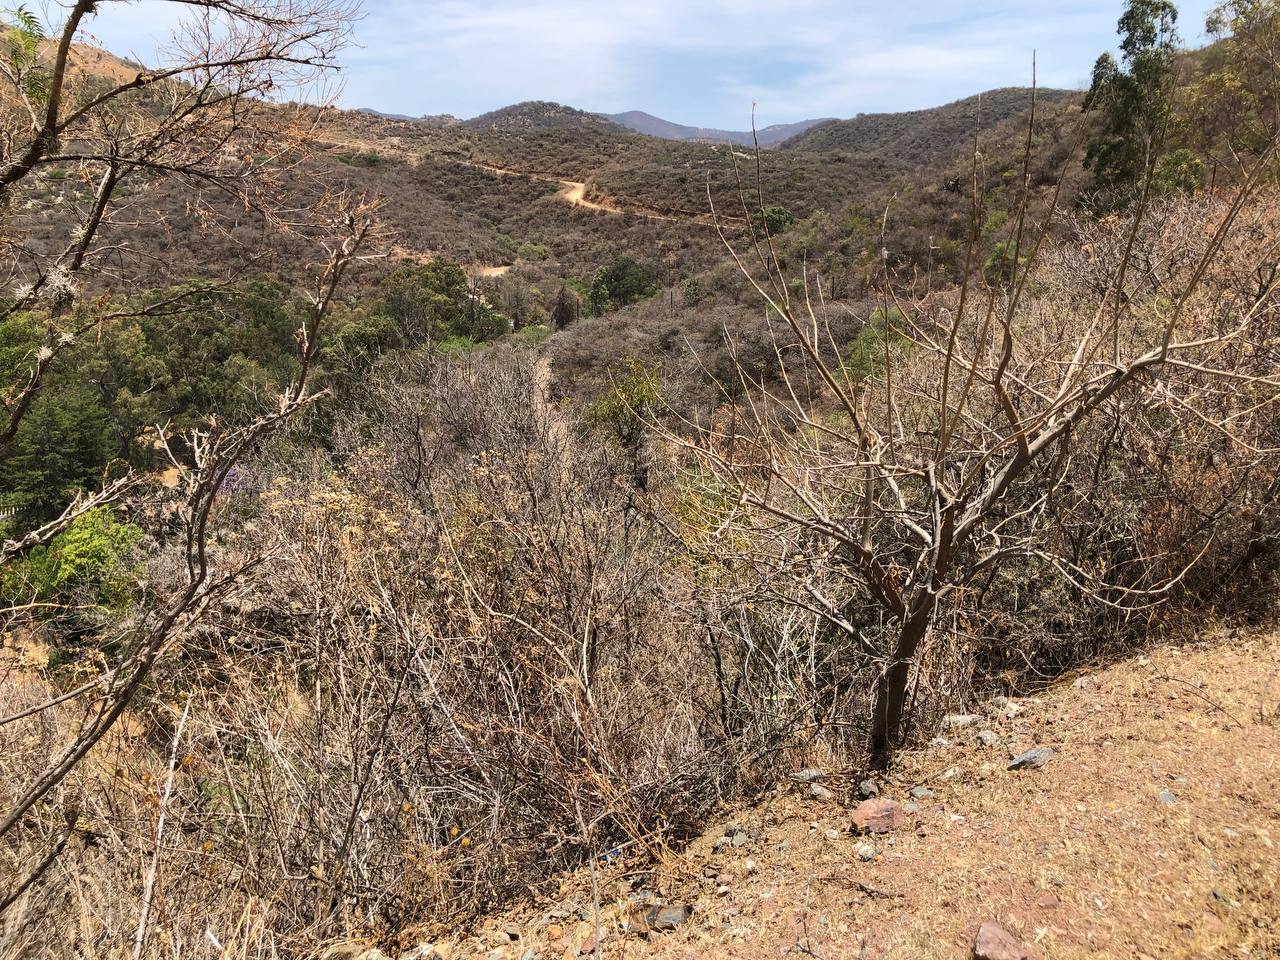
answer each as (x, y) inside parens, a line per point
(876, 816)
(1166, 796)
(868, 789)
(663, 917)
(818, 792)
(994, 942)
(988, 738)
(1033, 759)
(865, 852)
(921, 793)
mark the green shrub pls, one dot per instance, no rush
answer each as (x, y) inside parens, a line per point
(90, 559)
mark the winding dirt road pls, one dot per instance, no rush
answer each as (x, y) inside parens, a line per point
(574, 193)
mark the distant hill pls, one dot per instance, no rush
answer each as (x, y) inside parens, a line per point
(647, 123)
(541, 115)
(918, 136)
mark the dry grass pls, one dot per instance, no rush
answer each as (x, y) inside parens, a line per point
(1131, 876)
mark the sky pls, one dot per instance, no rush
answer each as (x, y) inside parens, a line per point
(698, 62)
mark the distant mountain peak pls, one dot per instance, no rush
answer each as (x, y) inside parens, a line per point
(646, 123)
(541, 114)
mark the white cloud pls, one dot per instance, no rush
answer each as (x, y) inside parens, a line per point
(700, 61)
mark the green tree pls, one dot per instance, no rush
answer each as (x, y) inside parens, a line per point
(1233, 105)
(622, 282)
(1133, 98)
(88, 560)
(566, 308)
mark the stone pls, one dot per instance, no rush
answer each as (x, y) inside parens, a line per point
(911, 807)
(921, 793)
(1166, 796)
(1033, 759)
(832, 835)
(659, 918)
(739, 840)
(425, 951)
(994, 942)
(529, 954)
(809, 775)
(1048, 901)
(750, 867)
(868, 789)
(959, 721)
(818, 792)
(876, 816)
(939, 743)
(722, 890)
(988, 738)
(865, 852)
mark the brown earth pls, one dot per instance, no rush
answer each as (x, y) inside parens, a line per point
(1151, 833)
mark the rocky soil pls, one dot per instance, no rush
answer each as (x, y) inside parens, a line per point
(1131, 812)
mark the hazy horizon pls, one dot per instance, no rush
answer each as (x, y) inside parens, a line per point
(699, 62)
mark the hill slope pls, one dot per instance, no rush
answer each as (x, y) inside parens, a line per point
(647, 123)
(541, 115)
(1152, 832)
(918, 136)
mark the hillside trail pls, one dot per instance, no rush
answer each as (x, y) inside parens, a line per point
(574, 193)
(1151, 833)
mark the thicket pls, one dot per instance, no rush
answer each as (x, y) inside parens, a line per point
(391, 656)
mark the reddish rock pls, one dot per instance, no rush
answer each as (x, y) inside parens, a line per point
(1048, 901)
(994, 942)
(877, 816)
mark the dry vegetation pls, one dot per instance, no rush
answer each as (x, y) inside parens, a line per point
(400, 655)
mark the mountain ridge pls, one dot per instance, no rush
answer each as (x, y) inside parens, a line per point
(639, 121)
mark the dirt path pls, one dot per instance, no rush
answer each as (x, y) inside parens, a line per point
(574, 193)
(1152, 834)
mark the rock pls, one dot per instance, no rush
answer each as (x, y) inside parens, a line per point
(529, 954)
(988, 738)
(865, 852)
(512, 931)
(425, 951)
(739, 840)
(750, 867)
(921, 793)
(939, 743)
(499, 954)
(808, 775)
(911, 807)
(868, 789)
(994, 942)
(1011, 710)
(959, 721)
(722, 890)
(876, 816)
(719, 843)
(1167, 796)
(1033, 759)
(1048, 901)
(818, 792)
(832, 835)
(660, 918)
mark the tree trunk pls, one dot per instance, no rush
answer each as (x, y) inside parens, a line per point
(891, 688)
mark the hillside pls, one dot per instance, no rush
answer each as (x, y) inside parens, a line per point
(648, 124)
(1151, 832)
(540, 115)
(922, 136)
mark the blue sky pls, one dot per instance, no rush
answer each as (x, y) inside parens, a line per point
(700, 62)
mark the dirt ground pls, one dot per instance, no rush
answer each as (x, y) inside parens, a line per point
(1151, 833)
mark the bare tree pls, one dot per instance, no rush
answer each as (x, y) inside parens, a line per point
(879, 483)
(207, 123)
